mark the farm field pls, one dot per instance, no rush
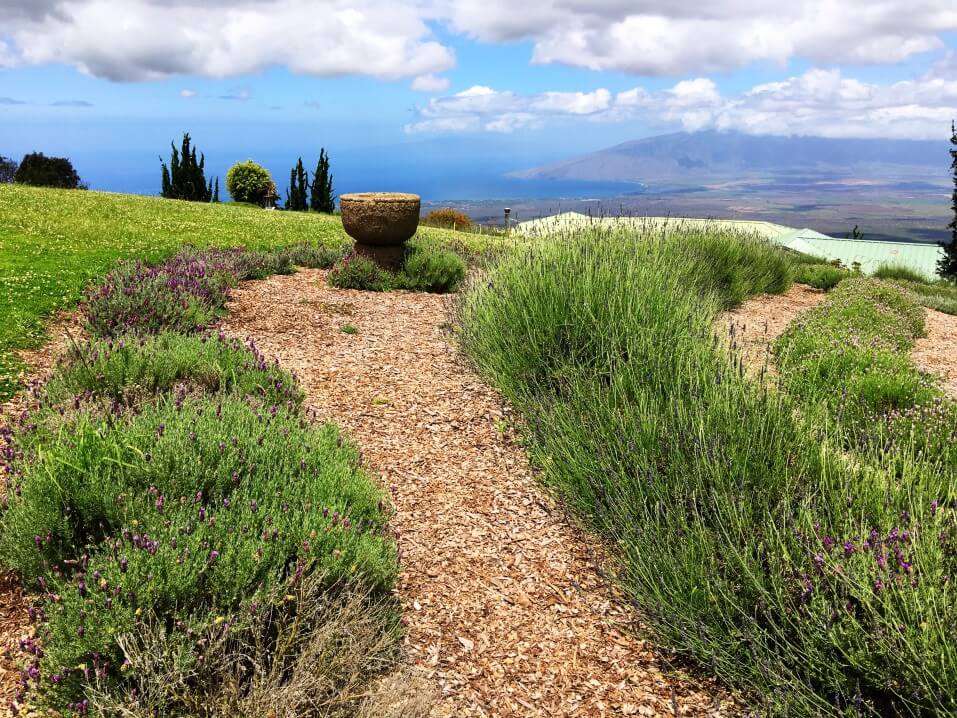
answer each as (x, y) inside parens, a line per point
(567, 496)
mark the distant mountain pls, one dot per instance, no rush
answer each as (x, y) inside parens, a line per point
(712, 155)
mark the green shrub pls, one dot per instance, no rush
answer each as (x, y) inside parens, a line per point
(250, 182)
(186, 293)
(336, 646)
(799, 258)
(734, 267)
(316, 256)
(431, 268)
(358, 272)
(818, 583)
(891, 270)
(447, 218)
(940, 295)
(185, 513)
(129, 369)
(820, 276)
(857, 339)
(38, 170)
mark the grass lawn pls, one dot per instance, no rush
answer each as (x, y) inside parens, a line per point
(53, 243)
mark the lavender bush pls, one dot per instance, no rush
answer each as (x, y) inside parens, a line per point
(186, 293)
(189, 511)
(814, 573)
(136, 368)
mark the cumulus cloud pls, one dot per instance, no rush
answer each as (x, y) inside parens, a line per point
(146, 40)
(187, 93)
(818, 102)
(482, 108)
(663, 37)
(393, 39)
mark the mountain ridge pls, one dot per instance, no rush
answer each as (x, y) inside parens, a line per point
(716, 154)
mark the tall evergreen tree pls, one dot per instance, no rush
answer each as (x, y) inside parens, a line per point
(185, 177)
(322, 198)
(215, 199)
(947, 265)
(296, 197)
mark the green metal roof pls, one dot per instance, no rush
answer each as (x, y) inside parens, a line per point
(869, 254)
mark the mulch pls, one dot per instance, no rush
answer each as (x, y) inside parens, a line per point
(507, 605)
(754, 325)
(936, 353)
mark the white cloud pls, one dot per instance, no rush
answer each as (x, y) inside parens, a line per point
(665, 37)
(430, 83)
(187, 93)
(147, 40)
(819, 102)
(392, 39)
(482, 108)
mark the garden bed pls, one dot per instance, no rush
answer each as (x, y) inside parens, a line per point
(507, 608)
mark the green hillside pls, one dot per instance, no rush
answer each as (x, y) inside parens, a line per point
(53, 243)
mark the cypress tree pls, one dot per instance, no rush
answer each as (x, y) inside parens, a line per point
(185, 177)
(314, 188)
(297, 198)
(322, 199)
(947, 265)
(215, 199)
(290, 190)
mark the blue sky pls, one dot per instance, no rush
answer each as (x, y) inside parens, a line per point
(490, 85)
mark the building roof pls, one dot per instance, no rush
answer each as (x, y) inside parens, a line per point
(869, 254)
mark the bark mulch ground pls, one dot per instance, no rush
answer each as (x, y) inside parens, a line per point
(937, 352)
(507, 610)
(753, 326)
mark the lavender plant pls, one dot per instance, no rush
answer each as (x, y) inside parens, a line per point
(172, 480)
(133, 368)
(186, 293)
(819, 583)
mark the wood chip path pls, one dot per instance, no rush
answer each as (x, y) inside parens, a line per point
(506, 612)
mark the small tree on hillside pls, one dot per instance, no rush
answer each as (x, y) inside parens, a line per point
(250, 182)
(322, 198)
(947, 265)
(296, 198)
(41, 171)
(185, 177)
(8, 170)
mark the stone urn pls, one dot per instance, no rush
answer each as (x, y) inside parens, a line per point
(381, 223)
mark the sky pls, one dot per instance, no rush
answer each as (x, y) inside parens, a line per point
(397, 88)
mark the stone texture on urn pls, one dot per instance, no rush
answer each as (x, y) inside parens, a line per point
(380, 218)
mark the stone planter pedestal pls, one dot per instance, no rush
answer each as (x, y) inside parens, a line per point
(381, 223)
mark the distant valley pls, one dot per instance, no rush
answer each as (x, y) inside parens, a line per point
(891, 189)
